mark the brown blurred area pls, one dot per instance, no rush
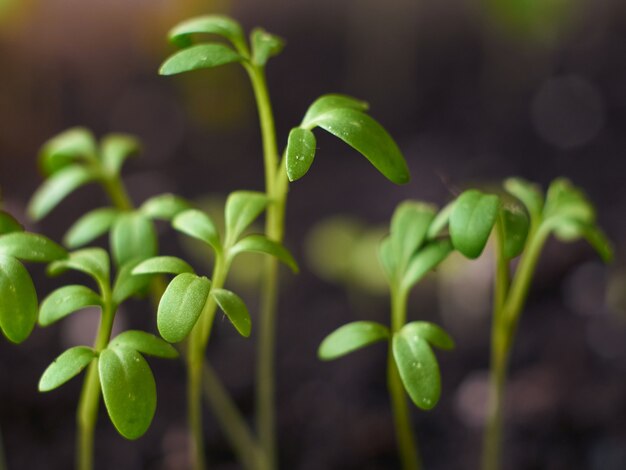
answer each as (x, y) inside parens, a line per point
(472, 90)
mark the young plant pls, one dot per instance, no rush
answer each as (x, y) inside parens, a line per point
(116, 367)
(522, 226)
(341, 116)
(412, 249)
(188, 306)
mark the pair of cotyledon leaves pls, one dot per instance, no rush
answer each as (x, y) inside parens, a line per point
(187, 294)
(126, 381)
(18, 298)
(566, 212)
(411, 250)
(342, 116)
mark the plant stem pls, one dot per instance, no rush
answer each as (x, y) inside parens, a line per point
(274, 229)
(407, 447)
(506, 315)
(117, 192)
(90, 395)
(236, 429)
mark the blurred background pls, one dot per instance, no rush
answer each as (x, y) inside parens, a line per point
(473, 91)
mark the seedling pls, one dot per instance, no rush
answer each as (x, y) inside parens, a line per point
(116, 367)
(341, 116)
(522, 225)
(413, 248)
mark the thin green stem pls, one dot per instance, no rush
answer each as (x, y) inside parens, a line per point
(274, 229)
(235, 427)
(507, 311)
(407, 443)
(90, 396)
(117, 192)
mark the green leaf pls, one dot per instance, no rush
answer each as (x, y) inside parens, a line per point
(598, 240)
(61, 302)
(128, 390)
(91, 261)
(564, 201)
(198, 225)
(426, 259)
(18, 305)
(133, 237)
(261, 244)
(387, 258)
(326, 103)
(57, 187)
(202, 56)
(264, 46)
(242, 208)
(164, 206)
(90, 226)
(433, 334)
(8, 224)
(163, 265)
(65, 367)
(529, 193)
(516, 224)
(300, 152)
(367, 137)
(471, 221)
(418, 368)
(350, 337)
(144, 343)
(30, 247)
(181, 306)
(220, 25)
(116, 148)
(235, 309)
(71, 146)
(127, 283)
(409, 226)
(440, 221)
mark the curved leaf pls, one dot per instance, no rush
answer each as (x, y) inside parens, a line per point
(471, 221)
(326, 103)
(18, 300)
(70, 146)
(57, 187)
(387, 259)
(30, 247)
(221, 25)
(181, 306)
(65, 367)
(163, 265)
(529, 193)
(91, 261)
(144, 343)
(516, 225)
(198, 225)
(235, 309)
(127, 283)
(66, 300)
(418, 368)
(433, 334)
(128, 390)
(132, 237)
(350, 337)
(8, 224)
(368, 138)
(425, 260)
(262, 244)
(440, 221)
(202, 56)
(264, 46)
(116, 148)
(242, 208)
(566, 201)
(90, 226)
(409, 226)
(300, 152)
(164, 206)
